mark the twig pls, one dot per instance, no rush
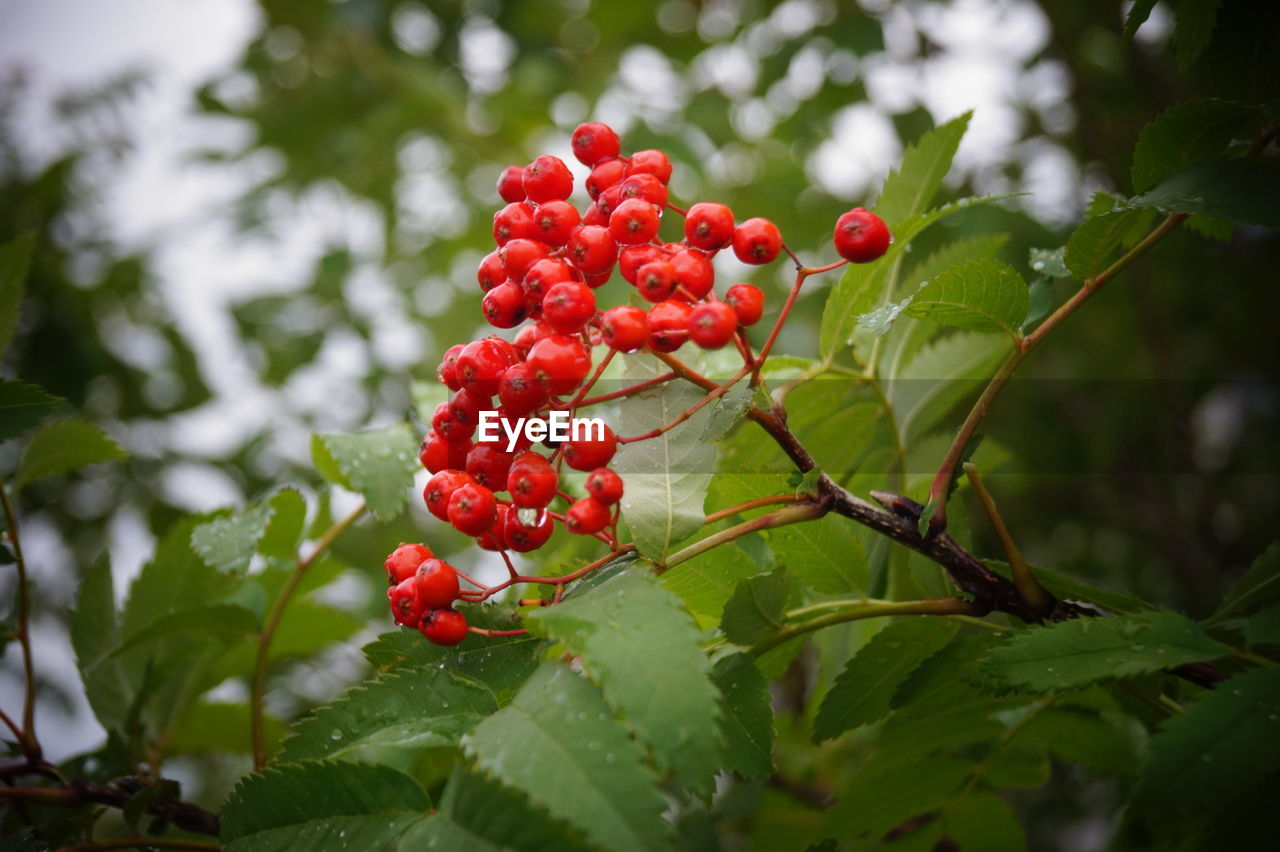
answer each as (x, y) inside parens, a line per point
(859, 611)
(1028, 586)
(81, 791)
(795, 514)
(27, 737)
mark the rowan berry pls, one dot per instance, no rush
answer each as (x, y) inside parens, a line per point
(547, 179)
(643, 185)
(591, 451)
(495, 538)
(447, 373)
(708, 226)
(593, 142)
(747, 302)
(592, 249)
(532, 481)
(504, 306)
(437, 583)
(481, 362)
(712, 324)
(444, 626)
(656, 280)
(651, 162)
(560, 362)
(523, 538)
(624, 328)
(604, 175)
(407, 605)
(402, 563)
(694, 274)
(604, 485)
(634, 221)
(587, 516)
(568, 306)
(533, 332)
(554, 221)
(631, 258)
(488, 465)
(511, 184)
(472, 508)
(491, 272)
(512, 222)
(668, 325)
(440, 489)
(861, 236)
(437, 453)
(445, 424)
(519, 389)
(757, 241)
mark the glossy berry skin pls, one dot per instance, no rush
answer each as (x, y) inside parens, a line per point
(592, 249)
(560, 362)
(437, 583)
(747, 302)
(507, 424)
(512, 222)
(523, 539)
(587, 516)
(488, 464)
(529, 335)
(511, 184)
(656, 280)
(604, 485)
(402, 563)
(481, 363)
(632, 258)
(532, 481)
(708, 226)
(495, 538)
(624, 328)
(634, 221)
(520, 391)
(651, 162)
(449, 427)
(694, 274)
(568, 306)
(668, 325)
(491, 272)
(643, 185)
(554, 221)
(407, 605)
(444, 626)
(447, 372)
(712, 324)
(466, 405)
(437, 454)
(504, 306)
(472, 509)
(757, 241)
(604, 175)
(440, 489)
(861, 236)
(547, 179)
(594, 141)
(589, 453)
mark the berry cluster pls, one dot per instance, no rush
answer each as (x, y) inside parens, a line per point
(422, 590)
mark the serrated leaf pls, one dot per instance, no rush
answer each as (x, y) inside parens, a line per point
(747, 716)
(863, 692)
(756, 608)
(1263, 627)
(321, 805)
(272, 528)
(909, 188)
(665, 694)
(62, 447)
(379, 465)
(979, 295)
(1094, 243)
(1258, 587)
(1082, 736)
(727, 412)
(404, 709)
(984, 247)
(221, 621)
(1075, 653)
(705, 583)
(1138, 14)
(95, 631)
(15, 260)
(1224, 742)
(212, 727)
(22, 406)
(1183, 134)
(880, 320)
(559, 744)
(882, 797)
(939, 376)
(1196, 19)
(1065, 587)
(1241, 190)
(1050, 263)
(665, 478)
(824, 555)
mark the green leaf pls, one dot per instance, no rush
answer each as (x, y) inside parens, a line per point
(756, 609)
(21, 407)
(222, 621)
(1050, 263)
(1066, 587)
(1196, 19)
(1241, 190)
(95, 631)
(558, 743)
(984, 821)
(1093, 244)
(1183, 134)
(272, 527)
(175, 578)
(1257, 588)
(939, 376)
(666, 478)
(984, 247)
(1075, 653)
(909, 189)
(665, 693)
(882, 797)
(979, 295)
(825, 555)
(1263, 627)
(379, 465)
(1224, 742)
(1138, 15)
(64, 446)
(1082, 736)
(213, 727)
(705, 583)
(15, 261)
(321, 805)
(863, 692)
(747, 716)
(728, 411)
(404, 709)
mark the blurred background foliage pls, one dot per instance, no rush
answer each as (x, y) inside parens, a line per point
(1141, 438)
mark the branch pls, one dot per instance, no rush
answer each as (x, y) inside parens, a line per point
(27, 736)
(1028, 586)
(140, 842)
(869, 609)
(806, 511)
(82, 791)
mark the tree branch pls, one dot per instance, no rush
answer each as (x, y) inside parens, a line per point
(81, 791)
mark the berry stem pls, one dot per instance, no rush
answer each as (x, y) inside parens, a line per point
(628, 391)
(497, 633)
(1028, 586)
(794, 514)
(576, 402)
(859, 610)
(715, 393)
(753, 504)
(27, 736)
(802, 273)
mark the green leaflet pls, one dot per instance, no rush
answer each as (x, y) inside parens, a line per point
(979, 295)
(756, 609)
(1183, 134)
(1066, 587)
(939, 376)
(1257, 588)
(909, 188)
(705, 583)
(378, 464)
(824, 555)
(21, 407)
(272, 528)
(1241, 190)
(62, 447)
(882, 797)
(747, 716)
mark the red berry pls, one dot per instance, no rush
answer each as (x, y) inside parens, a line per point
(694, 273)
(520, 391)
(757, 241)
(595, 217)
(444, 626)
(631, 258)
(609, 199)
(592, 450)
(747, 302)
(530, 334)
(656, 280)
(568, 306)
(554, 221)
(708, 225)
(491, 272)
(481, 362)
(407, 605)
(624, 328)
(646, 186)
(507, 424)
(634, 221)
(519, 254)
(547, 179)
(532, 481)
(587, 516)
(437, 453)
(861, 236)
(604, 485)
(446, 373)
(595, 282)
(511, 184)
(504, 305)
(437, 583)
(593, 142)
(472, 509)
(466, 405)
(542, 276)
(495, 538)
(604, 175)
(712, 324)
(560, 362)
(651, 162)
(488, 465)
(402, 563)
(668, 325)
(592, 249)
(445, 424)
(440, 489)
(522, 538)
(512, 222)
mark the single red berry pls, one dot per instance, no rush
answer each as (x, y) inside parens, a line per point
(668, 325)
(407, 605)
(757, 241)
(402, 563)
(532, 481)
(495, 538)
(651, 162)
(438, 453)
(656, 280)
(491, 272)
(568, 306)
(631, 258)
(547, 179)
(523, 538)
(481, 362)
(560, 362)
(504, 306)
(593, 141)
(472, 508)
(511, 184)
(444, 626)
(440, 489)
(747, 302)
(447, 373)
(554, 221)
(542, 276)
(598, 280)
(591, 450)
(437, 583)
(861, 236)
(488, 465)
(604, 485)
(712, 324)
(605, 174)
(445, 424)
(646, 186)
(708, 225)
(694, 274)
(624, 328)
(595, 217)
(592, 249)
(634, 221)
(530, 334)
(519, 254)
(587, 516)
(466, 405)
(520, 391)
(512, 222)
(609, 200)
